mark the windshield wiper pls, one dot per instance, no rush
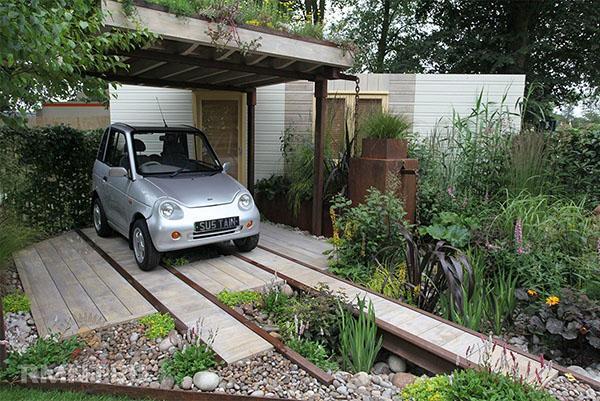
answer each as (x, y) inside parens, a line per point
(179, 170)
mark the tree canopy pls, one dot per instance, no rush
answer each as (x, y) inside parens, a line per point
(555, 43)
(49, 49)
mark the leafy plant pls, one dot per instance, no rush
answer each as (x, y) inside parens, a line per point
(49, 187)
(275, 302)
(360, 233)
(475, 385)
(569, 319)
(389, 279)
(44, 352)
(451, 227)
(16, 302)
(314, 352)
(273, 187)
(359, 344)
(158, 325)
(13, 235)
(385, 126)
(236, 298)
(176, 262)
(189, 361)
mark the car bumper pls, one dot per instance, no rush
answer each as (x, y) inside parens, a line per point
(161, 229)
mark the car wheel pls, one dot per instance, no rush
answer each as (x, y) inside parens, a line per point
(99, 219)
(246, 244)
(146, 255)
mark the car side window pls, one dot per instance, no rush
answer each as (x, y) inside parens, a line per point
(116, 152)
(102, 147)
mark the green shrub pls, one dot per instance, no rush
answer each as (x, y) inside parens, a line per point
(472, 385)
(13, 236)
(385, 126)
(314, 352)
(189, 361)
(360, 233)
(359, 344)
(46, 175)
(547, 242)
(275, 186)
(158, 325)
(236, 298)
(16, 302)
(44, 352)
(451, 227)
(390, 280)
(275, 302)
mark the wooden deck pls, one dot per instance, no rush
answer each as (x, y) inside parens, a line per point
(70, 286)
(233, 340)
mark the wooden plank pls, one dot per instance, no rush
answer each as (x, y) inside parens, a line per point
(83, 309)
(101, 295)
(247, 280)
(133, 301)
(295, 239)
(262, 275)
(53, 311)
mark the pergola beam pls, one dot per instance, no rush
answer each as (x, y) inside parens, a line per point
(124, 79)
(319, 168)
(251, 106)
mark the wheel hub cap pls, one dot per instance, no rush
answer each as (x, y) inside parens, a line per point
(139, 245)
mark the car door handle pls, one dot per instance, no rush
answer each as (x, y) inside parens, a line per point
(105, 178)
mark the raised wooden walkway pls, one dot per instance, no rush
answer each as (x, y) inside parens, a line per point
(232, 340)
(70, 286)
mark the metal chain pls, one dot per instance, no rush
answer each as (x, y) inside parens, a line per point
(356, 102)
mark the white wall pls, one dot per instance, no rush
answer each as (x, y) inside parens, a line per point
(136, 105)
(437, 95)
(270, 116)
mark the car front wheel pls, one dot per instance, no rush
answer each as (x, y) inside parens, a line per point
(99, 218)
(146, 255)
(246, 244)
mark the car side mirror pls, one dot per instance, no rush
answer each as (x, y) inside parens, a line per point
(117, 172)
(226, 166)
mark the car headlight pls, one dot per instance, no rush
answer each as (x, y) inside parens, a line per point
(170, 210)
(245, 202)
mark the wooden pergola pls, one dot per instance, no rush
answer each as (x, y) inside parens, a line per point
(186, 56)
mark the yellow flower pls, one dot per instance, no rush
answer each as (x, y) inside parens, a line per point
(532, 293)
(253, 22)
(570, 377)
(552, 300)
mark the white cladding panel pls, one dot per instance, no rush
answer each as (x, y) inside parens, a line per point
(136, 105)
(438, 95)
(270, 116)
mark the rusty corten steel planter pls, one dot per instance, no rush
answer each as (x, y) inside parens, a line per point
(278, 210)
(384, 165)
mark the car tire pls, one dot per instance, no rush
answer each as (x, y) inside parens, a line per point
(246, 244)
(146, 255)
(99, 219)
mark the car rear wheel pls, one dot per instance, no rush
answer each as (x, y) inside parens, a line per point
(99, 218)
(246, 244)
(146, 255)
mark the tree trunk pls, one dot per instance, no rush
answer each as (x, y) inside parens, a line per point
(520, 23)
(382, 45)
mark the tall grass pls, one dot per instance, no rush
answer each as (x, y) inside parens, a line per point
(385, 126)
(529, 163)
(359, 344)
(13, 236)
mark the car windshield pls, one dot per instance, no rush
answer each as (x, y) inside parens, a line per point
(173, 153)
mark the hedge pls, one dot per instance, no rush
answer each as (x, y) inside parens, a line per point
(45, 175)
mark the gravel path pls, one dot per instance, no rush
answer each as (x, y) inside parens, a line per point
(566, 390)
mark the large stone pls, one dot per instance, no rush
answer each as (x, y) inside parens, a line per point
(381, 368)
(361, 379)
(187, 383)
(286, 289)
(165, 345)
(396, 364)
(167, 383)
(206, 381)
(402, 380)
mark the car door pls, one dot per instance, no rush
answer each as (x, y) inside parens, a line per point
(117, 155)
(101, 170)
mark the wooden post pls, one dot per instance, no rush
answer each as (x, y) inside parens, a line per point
(251, 103)
(319, 170)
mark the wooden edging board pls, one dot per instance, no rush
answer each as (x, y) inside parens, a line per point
(406, 339)
(286, 351)
(133, 391)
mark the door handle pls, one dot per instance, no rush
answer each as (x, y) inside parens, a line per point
(104, 178)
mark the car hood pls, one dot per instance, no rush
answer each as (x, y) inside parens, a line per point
(198, 190)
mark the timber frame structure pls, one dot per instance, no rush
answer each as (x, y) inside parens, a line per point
(187, 56)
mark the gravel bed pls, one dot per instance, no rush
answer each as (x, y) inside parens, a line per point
(567, 390)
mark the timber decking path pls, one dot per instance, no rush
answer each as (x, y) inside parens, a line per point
(70, 286)
(459, 342)
(232, 340)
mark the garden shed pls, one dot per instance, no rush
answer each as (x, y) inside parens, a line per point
(224, 72)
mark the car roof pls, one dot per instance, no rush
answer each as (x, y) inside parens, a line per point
(155, 128)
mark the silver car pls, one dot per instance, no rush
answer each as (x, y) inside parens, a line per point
(164, 189)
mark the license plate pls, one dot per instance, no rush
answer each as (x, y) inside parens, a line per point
(208, 226)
